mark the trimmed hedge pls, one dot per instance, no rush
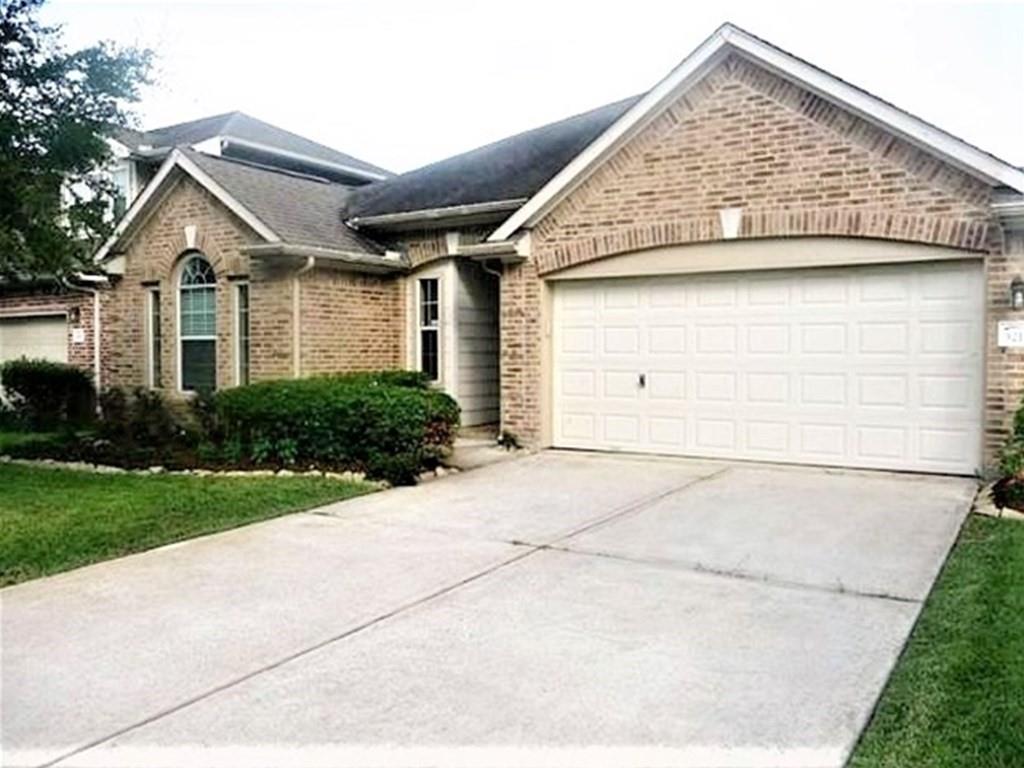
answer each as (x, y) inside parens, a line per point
(48, 394)
(390, 424)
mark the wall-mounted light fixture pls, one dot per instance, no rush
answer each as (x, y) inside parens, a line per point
(1017, 293)
(75, 315)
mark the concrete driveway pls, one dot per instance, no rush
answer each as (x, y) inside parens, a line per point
(563, 609)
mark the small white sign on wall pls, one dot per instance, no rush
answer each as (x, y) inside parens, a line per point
(78, 335)
(1010, 333)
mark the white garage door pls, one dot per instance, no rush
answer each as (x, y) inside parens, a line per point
(860, 366)
(33, 337)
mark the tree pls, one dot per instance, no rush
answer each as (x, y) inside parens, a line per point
(56, 110)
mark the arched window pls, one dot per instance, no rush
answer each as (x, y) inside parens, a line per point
(197, 327)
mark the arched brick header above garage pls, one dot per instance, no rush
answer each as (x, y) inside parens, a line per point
(791, 162)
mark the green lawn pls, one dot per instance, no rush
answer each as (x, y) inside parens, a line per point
(11, 439)
(956, 697)
(52, 520)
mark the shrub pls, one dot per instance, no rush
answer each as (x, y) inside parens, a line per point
(390, 425)
(1011, 458)
(48, 394)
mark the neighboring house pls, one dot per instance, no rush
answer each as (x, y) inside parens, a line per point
(752, 260)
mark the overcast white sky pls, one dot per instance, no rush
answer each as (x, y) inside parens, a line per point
(403, 83)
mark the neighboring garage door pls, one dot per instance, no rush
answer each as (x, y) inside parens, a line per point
(41, 336)
(876, 366)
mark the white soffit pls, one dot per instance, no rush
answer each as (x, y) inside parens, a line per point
(729, 38)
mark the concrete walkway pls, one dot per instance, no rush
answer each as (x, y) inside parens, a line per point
(561, 609)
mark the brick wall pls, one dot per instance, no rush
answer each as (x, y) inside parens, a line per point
(742, 138)
(48, 301)
(350, 321)
(1004, 379)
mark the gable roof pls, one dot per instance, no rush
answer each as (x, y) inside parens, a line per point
(249, 132)
(511, 169)
(280, 206)
(729, 39)
(302, 210)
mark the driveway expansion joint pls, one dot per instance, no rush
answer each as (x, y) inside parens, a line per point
(730, 573)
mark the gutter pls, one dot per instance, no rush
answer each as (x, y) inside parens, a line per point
(1010, 212)
(505, 251)
(435, 215)
(97, 327)
(354, 261)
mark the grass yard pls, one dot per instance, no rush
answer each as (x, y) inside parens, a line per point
(10, 439)
(52, 520)
(956, 697)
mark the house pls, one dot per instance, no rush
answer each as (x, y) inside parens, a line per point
(752, 260)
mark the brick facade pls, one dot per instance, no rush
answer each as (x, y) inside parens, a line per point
(350, 321)
(347, 321)
(54, 301)
(153, 258)
(795, 164)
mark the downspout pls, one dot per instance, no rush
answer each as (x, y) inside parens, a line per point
(296, 325)
(97, 330)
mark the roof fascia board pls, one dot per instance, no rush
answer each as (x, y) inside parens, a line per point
(436, 214)
(640, 114)
(358, 261)
(177, 159)
(270, 149)
(729, 38)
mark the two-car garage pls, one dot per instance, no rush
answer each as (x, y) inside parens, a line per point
(876, 365)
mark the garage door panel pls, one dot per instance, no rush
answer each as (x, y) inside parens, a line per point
(40, 336)
(862, 366)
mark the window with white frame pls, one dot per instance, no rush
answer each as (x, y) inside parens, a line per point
(242, 332)
(155, 336)
(197, 326)
(429, 327)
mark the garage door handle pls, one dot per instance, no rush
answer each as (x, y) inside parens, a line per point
(643, 380)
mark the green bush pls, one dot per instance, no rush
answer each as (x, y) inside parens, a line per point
(391, 425)
(48, 394)
(141, 418)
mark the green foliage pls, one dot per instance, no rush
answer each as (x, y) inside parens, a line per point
(389, 424)
(142, 418)
(46, 394)
(1011, 458)
(52, 520)
(56, 109)
(955, 698)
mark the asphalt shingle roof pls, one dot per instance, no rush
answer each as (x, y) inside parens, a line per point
(241, 126)
(301, 210)
(508, 169)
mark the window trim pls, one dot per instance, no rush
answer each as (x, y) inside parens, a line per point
(154, 360)
(436, 327)
(237, 330)
(180, 339)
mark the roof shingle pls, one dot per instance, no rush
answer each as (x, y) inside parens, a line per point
(508, 169)
(301, 210)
